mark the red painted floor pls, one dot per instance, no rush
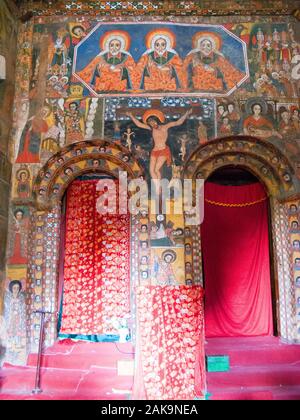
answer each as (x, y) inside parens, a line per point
(72, 371)
(261, 369)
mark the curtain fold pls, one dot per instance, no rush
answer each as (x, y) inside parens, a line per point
(235, 246)
(170, 343)
(96, 293)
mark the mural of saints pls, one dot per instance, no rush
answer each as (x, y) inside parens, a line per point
(74, 120)
(18, 239)
(162, 270)
(207, 68)
(15, 322)
(59, 59)
(149, 58)
(257, 124)
(160, 67)
(23, 185)
(113, 68)
(31, 136)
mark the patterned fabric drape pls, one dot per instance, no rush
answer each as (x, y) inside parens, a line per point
(235, 242)
(97, 268)
(170, 362)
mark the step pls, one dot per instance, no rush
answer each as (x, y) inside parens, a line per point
(256, 393)
(84, 355)
(93, 382)
(254, 351)
(242, 377)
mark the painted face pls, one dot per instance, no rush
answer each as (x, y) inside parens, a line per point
(45, 111)
(15, 290)
(188, 248)
(73, 107)
(168, 258)
(78, 31)
(153, 123)
(23, 176)
(257, 109)
(285, 115)
(19, 215)
(206, 47)
(160, 46)
(114, 46)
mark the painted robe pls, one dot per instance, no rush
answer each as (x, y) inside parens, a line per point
(18, 246)
(160, 72)
(109, 73)
(31, 140)
(260, 127)
(213, 73)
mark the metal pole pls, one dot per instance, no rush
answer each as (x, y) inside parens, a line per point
(37, 389)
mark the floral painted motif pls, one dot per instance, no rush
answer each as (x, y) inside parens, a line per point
(170, 346)
(97, 272)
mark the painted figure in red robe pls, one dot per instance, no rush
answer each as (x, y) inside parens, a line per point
(113, 69)
(259, 126)
(160, 67)
(18, 252)
(206, 68)
(29, 150)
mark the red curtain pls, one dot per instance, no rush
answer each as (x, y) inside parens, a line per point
(235, 240)
(97, 269)
(170, 343)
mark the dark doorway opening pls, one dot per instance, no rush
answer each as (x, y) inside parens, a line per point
(234, 177)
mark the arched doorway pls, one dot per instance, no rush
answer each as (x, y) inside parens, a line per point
(277, 174)
(53, 180)
(236, 256)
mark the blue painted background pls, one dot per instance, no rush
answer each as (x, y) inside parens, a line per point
(231, 48)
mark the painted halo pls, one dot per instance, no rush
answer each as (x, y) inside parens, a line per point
(256, 101)
(154, 35)
(121, 36)
(22, 171)
(154, 113)
(171, 253)
(213, 37)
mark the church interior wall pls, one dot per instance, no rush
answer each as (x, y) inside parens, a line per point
(249, 86)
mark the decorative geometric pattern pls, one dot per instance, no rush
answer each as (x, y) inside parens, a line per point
(159, 7)
(78, 159)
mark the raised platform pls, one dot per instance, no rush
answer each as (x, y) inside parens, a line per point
(260, 369)
(73, 371)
